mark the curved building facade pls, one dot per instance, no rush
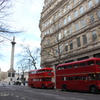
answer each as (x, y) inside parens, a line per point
(70, 31)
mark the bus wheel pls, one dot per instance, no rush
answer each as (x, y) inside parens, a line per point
(43, 86)
(64, 87)
(93, 89)
(32, 86)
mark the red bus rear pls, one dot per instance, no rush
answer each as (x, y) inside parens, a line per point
(41, 78)
(81, 75)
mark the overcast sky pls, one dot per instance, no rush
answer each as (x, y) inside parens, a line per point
(26, 15)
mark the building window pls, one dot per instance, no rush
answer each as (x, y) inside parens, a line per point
(47, 31)
(48, 54)
(77, 26)
(65, 32)
(50, 20)
(74, 2)
(50, 30)
(83, 23)
(84, 39)
(61, 50)
(81, 10)
(68, 7)
(90, 4)
(48, 41)
(13, 74)
(65, 21)
(98, 14)
(69, 18)
(59, 36)
(97, 55)
(56, 51)
(64, 10)
(94, 36)
(9, 74)
(97, 1)
(70, 30)
(91, 18)
(66, 47)
(58, 14)
(55, 17)
(78, 42)
(76, 13)
(58, 25)
(71, 45)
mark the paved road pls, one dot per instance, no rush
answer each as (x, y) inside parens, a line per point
(27, 93)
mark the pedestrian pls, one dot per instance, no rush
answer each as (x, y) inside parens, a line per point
(3, 84)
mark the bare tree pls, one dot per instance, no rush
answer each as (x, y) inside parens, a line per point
(5, 12)
(55, 50)
(6, 30)
(29, 57)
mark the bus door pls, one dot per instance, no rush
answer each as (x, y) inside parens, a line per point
(92, 79)
(71, 84)
(76, 83)
(81, 83)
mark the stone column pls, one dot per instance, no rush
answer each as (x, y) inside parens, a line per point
(11, 71)
(12, 53)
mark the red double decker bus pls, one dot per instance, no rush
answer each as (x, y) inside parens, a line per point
(41, 78)
(81, 75)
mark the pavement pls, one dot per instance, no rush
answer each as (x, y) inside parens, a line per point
(5, 84)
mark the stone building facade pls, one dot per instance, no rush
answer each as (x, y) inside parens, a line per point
(70, 30)
(3, 75)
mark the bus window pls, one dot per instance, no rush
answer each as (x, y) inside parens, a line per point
(64, 78)
(76, 78)
(98, 62)
(62, 67)
(83, 64)
(69, 66)
(70, 78)
(48, 79)
(47, 70)
(43, 79)
(91, 62)
(42, 71)
(83, 78)
(58, 68)
(33, 72)
(98, 76)
(92, 76)
(75, 65)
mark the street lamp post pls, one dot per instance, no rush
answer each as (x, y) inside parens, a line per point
(23, 79)
(18, 72)
(29, 64)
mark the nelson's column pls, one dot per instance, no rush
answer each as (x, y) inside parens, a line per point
(11, 71)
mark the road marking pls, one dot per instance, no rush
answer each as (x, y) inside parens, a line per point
(12, 94)
(88, 94)
(62, 98)
(77, 98)
(23, 98)
(17, 96)
(31, 91)
(4, 94)
(48, 94)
